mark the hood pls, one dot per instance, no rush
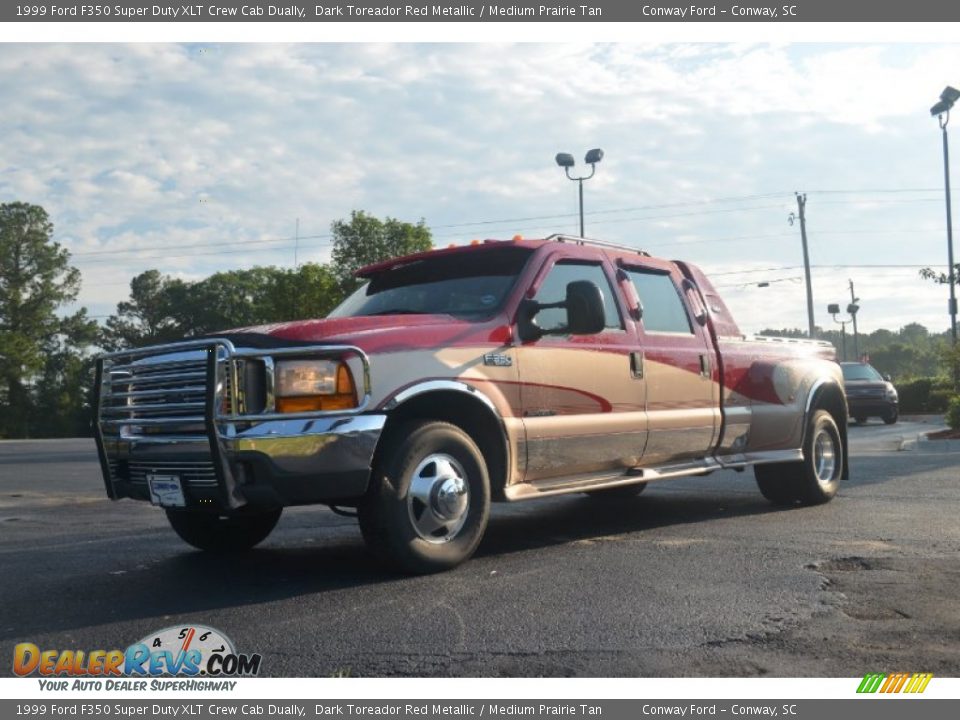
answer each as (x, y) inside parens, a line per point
(372, 333)
(867, 384)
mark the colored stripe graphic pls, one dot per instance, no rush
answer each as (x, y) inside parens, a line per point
(894, 682)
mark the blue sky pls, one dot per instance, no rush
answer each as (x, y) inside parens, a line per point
(200, 157)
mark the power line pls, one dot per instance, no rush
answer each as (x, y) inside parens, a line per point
(865, 191)
(278, 248)
(195, 245)
(484, 223)
(839, 266)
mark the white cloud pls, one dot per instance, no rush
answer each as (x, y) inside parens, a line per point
(156, 146)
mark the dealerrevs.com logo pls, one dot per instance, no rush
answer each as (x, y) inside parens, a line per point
(191, 651)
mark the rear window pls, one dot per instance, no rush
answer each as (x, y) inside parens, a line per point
(663, 309)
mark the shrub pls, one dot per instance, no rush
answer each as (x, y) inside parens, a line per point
(914, 395)
(924, 395)
(939, 400)
(953, 412)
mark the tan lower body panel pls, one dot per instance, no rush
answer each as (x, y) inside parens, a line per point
(589, 482)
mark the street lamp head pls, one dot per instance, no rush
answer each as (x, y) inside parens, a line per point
(947, 98)
(565, 160)
(833, 308)
(594, 156)
(940, 108)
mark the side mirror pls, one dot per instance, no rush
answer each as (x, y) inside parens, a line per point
(584, 303)
(887, 377)
(585, 313)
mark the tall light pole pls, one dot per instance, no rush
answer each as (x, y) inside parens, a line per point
(801, 212)
(834, 309)
(941, 111)
(565, 160)
(852, 309)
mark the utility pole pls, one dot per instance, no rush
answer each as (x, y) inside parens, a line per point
(853, 313)
(801, 207)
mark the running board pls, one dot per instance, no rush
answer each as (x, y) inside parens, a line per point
(634, 475)
(601, 481)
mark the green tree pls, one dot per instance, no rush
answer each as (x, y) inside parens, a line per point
(35, 280)
(63, 390)
(366, 239)
(163, 309)
(150, 316)
(310, 291)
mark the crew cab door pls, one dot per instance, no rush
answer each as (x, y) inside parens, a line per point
(679, 365)
(582, 410)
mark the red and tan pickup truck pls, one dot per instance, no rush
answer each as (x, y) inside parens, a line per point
(498, 371)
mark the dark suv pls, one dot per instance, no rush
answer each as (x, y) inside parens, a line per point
(869, 394)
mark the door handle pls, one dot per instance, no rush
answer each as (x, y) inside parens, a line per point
(704, 366)
(636, 365)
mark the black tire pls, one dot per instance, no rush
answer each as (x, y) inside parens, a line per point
(778, 482)
(213, 533)
(890, 417)
(813, 480)
(429, 499)
(622, 492)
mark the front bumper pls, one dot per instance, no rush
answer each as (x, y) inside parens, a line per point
(226, 460)
(871, 407)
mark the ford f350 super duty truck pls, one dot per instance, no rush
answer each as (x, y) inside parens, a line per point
(498, 371)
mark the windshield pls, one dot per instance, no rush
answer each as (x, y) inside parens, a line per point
(469, 284)
(861, 372)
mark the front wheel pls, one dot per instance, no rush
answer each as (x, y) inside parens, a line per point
(813, 480)
(233, 533)
(890, 417)
(430, 499)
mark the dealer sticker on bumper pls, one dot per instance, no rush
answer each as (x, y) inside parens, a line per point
(165, 490)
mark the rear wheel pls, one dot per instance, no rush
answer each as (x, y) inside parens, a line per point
(430, 499)
(233, 533)
(816, 478)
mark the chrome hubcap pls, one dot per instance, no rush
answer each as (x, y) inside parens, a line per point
(439, 498)
(824, 457)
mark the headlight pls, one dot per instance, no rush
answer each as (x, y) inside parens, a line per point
(305, 385)
(891, 393)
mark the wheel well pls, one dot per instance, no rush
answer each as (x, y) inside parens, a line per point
(471, 415)
(831, 398)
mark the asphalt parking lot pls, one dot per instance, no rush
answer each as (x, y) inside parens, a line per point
(694, 577)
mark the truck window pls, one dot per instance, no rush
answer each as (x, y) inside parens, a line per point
(663, 309)
(554, 289)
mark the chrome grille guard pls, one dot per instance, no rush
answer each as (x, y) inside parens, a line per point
(209, 404)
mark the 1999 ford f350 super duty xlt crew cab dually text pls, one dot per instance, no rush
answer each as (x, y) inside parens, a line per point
(497, 371)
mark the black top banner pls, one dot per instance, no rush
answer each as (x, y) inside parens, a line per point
(474, 11)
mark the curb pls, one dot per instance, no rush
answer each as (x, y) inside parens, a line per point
(925, 444)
